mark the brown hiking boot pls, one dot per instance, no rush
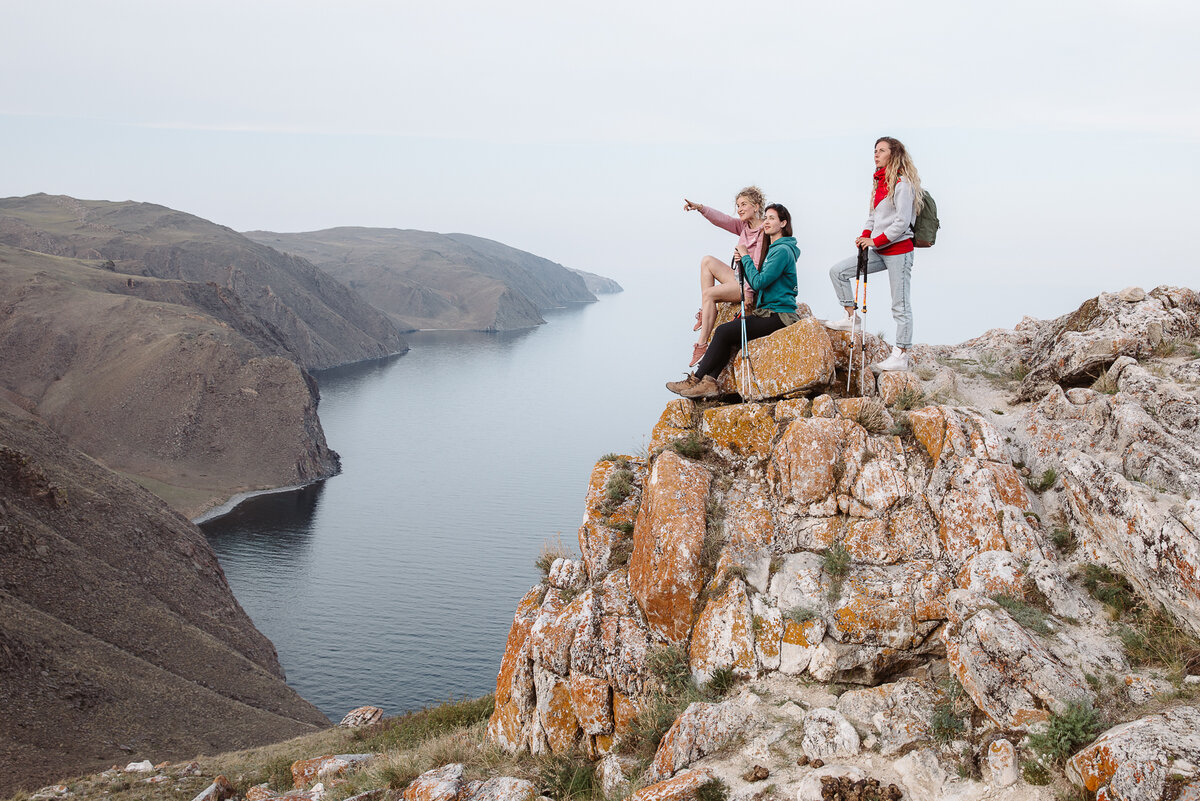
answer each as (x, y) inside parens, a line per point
(679, 386)
(704, 388)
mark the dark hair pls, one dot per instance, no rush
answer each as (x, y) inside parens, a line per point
(785, 217)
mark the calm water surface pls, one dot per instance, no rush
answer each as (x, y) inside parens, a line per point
(394, 583)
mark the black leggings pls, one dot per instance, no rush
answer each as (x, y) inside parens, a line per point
(727, 340)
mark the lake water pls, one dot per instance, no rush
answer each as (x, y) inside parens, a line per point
(394, 583)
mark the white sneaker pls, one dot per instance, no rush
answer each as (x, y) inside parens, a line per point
(845, 324)
(896, 362)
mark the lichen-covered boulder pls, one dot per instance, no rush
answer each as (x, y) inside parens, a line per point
(1132, 761)
(682, 786)
(1005, 671)
(740, 430)
(702, 729)
(602, 541)
(894, 384)
(514, 683)
(723, 635)
(792, 360)
(677, 420)
(666, 572)
(828, 734)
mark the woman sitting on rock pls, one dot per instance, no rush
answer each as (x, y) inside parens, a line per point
(718, 281)
(896, 199)
(774, 282)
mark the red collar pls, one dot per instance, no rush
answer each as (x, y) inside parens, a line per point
(880, 173)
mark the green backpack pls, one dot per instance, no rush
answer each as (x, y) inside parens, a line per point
(925, 227)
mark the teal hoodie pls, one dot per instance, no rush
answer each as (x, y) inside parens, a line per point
(775, 281)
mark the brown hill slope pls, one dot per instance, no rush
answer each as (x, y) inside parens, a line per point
(119, 636)
(446, 281)
(283, 304)
(155, 389)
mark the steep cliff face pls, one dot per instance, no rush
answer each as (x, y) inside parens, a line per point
(441, 281)
(928, 544)
(152, 388)
(118, 632)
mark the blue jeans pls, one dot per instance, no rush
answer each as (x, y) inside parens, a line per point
(899, 270)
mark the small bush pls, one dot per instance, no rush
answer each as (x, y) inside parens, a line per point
(551, 551)
(902, 426)
(691, 445)
(1064, 540)
(872, 416)
(1045, 481)
(1027, 615)
(617, 489)
(836, 562)
(625, 527)
(568, 778)
(1035, 773)
(1165, 348)
(947, 722)
(1106, 384)
(414, 728)
(909, 398)
(721, 683)
(1109, 588)
(713, 790)
(799, 614)
(925, 372)
(776, 565)
(612, 457)
(1067, 733)
(669, 664)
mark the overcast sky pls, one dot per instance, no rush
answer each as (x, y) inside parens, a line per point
(1058, 138)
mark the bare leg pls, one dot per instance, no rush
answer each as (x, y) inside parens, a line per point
(718, 282)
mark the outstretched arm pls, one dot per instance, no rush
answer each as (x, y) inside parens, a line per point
(731, 224)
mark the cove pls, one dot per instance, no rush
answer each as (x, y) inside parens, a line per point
(394, 583)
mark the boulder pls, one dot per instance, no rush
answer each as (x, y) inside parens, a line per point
(665, 571)
(723, 636)
(739, 430)
(1001, 760)
(701, 729)
(1133, 760)
(508, 726)
(893, 384)
(1005, 671)
(677, 420)
(306, 771)
(363, 716)
(790, 361)
(899, 713)
(500, 788)
(602, 541)
(682, 787)
(828, 734)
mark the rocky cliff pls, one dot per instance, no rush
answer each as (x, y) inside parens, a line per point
(118, 632)
(446, 281)
(942, 576)
(152, 386)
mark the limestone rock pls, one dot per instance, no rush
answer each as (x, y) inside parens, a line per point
(363, 716)
(501, 788)
(740, 430)
(1102, 329)
(828, 734)
(567, 574)
(677, 420)
(682, 787)
(1133, 761)
(792, 360)
(615, 772)
(723, 635)
(701, 729)
(440, 784)
(798, 644)
(892, 384)
(665, 571)
(1002, 763)
(219, 790)
(1004, 670)
(145, 766)
(306, 771)
(515, 697)
(601, 541)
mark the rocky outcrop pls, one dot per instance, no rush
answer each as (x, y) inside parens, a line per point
(880, 542)
(432, 281)
(117, 627)
(1133, 761)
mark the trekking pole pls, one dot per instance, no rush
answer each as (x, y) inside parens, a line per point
(862, 369)
(745, 355)
(858, 273)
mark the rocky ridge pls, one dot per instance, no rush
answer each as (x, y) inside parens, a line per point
(937, 591)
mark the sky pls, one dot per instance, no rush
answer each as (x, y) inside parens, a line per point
(1058, 138)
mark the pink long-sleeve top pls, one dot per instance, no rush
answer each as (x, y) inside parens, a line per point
(751, 238)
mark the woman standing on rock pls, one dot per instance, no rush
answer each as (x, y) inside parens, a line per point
(896, 199)
(718, 281)
(774, 282)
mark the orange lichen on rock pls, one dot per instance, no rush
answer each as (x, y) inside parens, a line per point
(723, 635)
(665, 570)
(792, 360)
(744, 429)
(678, 419)
(929, 427)
(514, 683)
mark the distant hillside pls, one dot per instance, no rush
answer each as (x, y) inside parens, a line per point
(119, 636)
(281, 303)
(446, 281)
(598, 284)
(132, 372)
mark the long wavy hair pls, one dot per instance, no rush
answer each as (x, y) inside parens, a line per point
(755, 196)
(899, 164)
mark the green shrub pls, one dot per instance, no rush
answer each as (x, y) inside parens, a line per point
(625, 527)
(1035, 773)
(836, 562)
(1045, 481)
(691, 445)
(1067, 733)
(669, 664)
(722, 681)
(947, 721)
(1063, 539)
(1111, 589)
(909, 398)
(568, 778)
(1024, 613)
(902, 426)
(713, 790)
(799, 614)
(872, 416)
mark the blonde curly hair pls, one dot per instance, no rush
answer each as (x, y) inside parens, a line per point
(900, 164)
(755, 196)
